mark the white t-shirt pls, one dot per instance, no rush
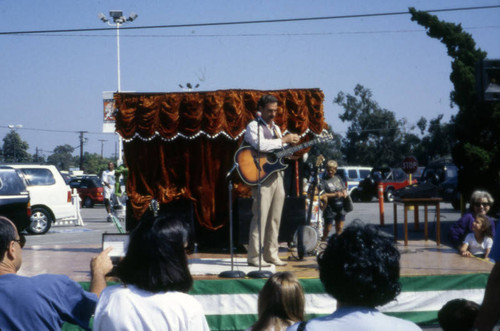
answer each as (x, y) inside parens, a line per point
(357, 319)
(108, 176)
(123, 307)
(477, 248)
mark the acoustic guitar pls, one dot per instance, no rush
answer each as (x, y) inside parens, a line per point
(248, 159)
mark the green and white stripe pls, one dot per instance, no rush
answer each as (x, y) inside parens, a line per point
(232, 304)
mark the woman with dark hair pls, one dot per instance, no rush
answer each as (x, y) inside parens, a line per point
(281, 303)
(360, 269)
(155, 279)
(480, 204)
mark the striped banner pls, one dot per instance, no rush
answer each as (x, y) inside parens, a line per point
(231, 304)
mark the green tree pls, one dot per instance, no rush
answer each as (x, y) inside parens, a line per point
(476, 126)
(62, 157)
(14, 149)
(437, 143)
(94, 163)
(374, 136)
(330, 150)
(38, 158)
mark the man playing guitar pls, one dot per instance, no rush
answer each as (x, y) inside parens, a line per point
(272, 190)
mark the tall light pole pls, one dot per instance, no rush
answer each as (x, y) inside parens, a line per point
(118, 19)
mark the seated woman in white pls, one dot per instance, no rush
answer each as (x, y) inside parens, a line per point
(155, 281)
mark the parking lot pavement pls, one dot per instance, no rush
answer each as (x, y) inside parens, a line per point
(95, 224)
(89, 234)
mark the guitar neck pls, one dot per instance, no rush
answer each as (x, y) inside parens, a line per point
(293, 149)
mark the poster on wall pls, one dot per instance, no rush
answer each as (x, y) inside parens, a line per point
(108, 125)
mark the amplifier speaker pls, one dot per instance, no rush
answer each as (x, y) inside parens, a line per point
(294, 214)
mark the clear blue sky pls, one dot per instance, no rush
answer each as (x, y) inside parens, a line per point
(55, 81)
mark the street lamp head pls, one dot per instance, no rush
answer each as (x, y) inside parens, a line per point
(115, 14)
(102, 17)
(132, 17)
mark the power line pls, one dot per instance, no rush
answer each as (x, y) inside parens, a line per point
(53, 130)
(284, 20)
(254, 34)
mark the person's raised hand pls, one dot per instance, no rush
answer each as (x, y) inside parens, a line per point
(101, 264)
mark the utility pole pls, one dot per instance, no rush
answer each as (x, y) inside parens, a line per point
(82, 140)
(102, 144)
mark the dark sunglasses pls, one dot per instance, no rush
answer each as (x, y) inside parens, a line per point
(21, 241)
(484, 204)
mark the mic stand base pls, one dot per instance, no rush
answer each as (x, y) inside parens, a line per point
(232, 274)
(259, 274)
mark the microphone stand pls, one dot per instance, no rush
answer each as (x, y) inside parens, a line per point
(231, 273)
(259, 273)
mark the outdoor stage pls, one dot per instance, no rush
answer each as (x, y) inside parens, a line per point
(430, 277)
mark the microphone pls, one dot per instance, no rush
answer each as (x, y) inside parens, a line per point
(259, 119)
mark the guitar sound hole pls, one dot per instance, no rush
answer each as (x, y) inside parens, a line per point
(271, 158)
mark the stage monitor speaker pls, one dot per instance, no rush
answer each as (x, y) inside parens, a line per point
(293, 215)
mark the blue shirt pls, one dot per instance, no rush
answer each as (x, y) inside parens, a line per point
(357, 319)
(43, 302)
(495, 250)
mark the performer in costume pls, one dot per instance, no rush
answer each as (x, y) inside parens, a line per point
(335, 192)
(272, 190)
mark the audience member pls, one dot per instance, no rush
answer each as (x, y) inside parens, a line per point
(155, 280)
(334, 192)
(43, 302)
(458, 315)
(489, 313)
(360, 269)
(281, 303)
(478, 243)
(480, 203)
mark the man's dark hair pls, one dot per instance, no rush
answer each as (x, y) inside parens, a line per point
(360, 267)
(458, 315)
(265, 99)
(7, 234)
(156, 260)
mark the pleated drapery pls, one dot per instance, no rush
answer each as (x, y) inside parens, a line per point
(181, 145)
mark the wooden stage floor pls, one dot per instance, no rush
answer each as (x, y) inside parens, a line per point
(420, 257)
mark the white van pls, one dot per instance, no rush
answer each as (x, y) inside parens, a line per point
(50, 196)
(352, 175)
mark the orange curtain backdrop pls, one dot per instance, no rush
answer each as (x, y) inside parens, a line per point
(181, 145)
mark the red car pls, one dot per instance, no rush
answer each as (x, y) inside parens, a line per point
(391, 178)
(89, 189)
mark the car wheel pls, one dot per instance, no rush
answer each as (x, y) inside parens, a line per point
(87, 203)
(41, 220)
(389, 195)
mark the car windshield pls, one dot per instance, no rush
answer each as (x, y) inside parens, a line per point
(10, 182)
(94, 182)
(364, 173)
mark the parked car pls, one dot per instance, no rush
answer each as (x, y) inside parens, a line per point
(392, 179)
(418, 174)
(439, 171)
(14, 198)
(352, 176)
(89, 188)
(448, 190)
(49, 194)
(444, 174)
